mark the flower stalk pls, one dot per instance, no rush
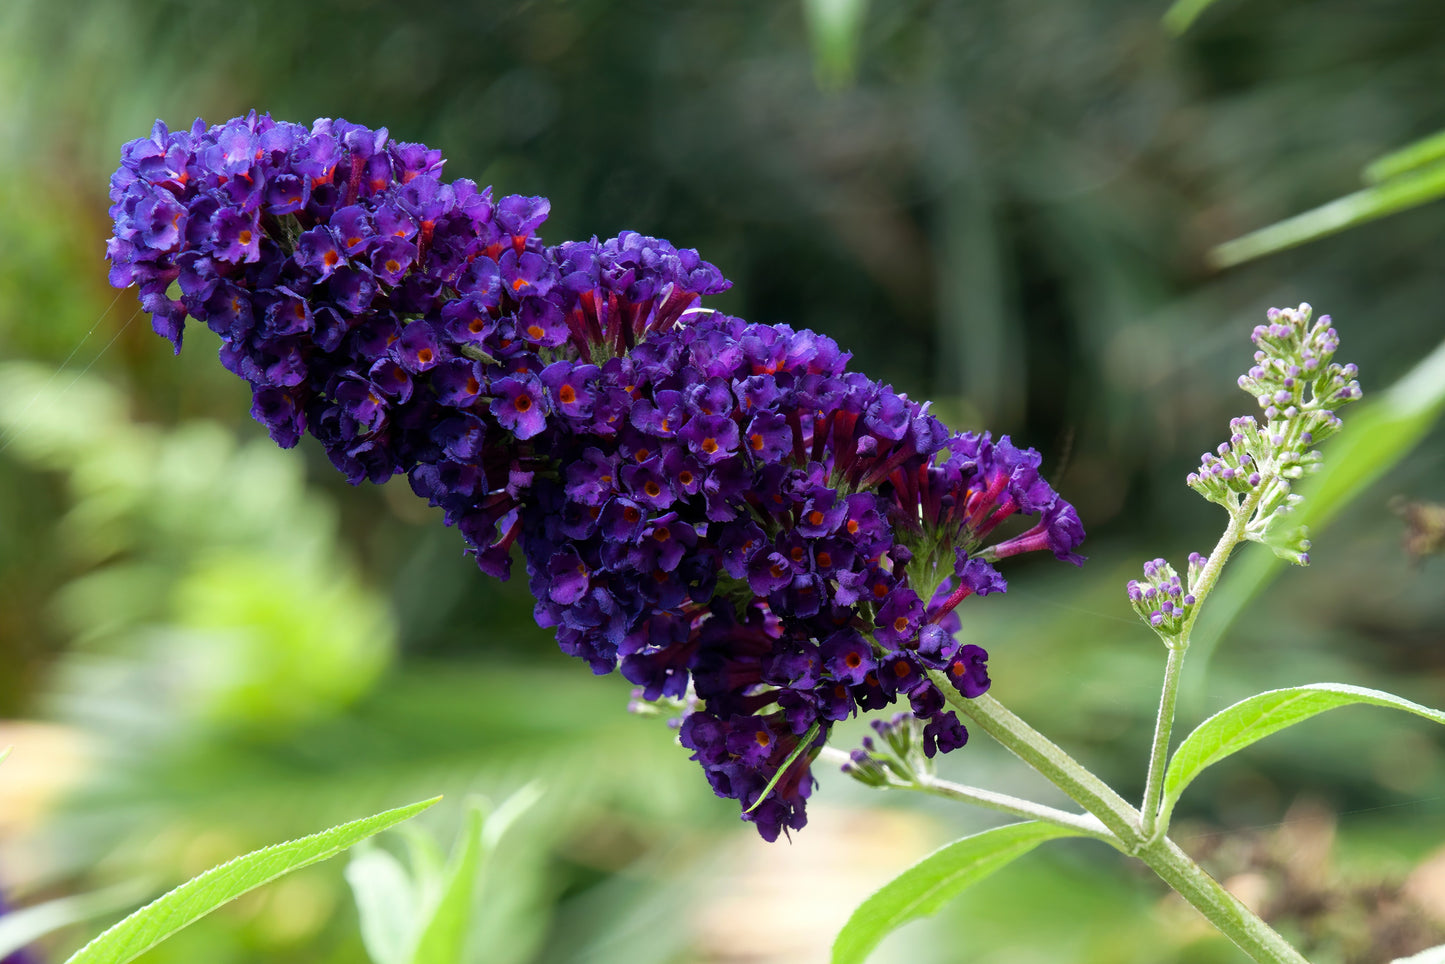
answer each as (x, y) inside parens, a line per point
(1200, 587)
(925, 781)
(1166, 858)
(1050, 760)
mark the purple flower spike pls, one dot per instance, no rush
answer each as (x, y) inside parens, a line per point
(721, 510)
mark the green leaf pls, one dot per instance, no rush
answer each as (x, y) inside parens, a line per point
(444, 935)
(1424, 151)
(803, 745)
(1407, 190)
(924, 888)
(386, 903)
(1183, 13)
(5, 752)
(1236, 727)
(501, 819)
(20, 928)
(835, 28)
(427, 861)
(199, 896)
(1378, 434)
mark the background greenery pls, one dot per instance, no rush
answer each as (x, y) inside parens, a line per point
(207, 644)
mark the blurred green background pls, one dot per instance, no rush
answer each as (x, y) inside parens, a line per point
(207, 644)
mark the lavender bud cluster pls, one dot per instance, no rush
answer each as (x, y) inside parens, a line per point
(902, 752)
(1299, 388)
(1163, 600)
(719, 510)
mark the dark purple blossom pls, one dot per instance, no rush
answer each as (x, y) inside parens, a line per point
(719, 510)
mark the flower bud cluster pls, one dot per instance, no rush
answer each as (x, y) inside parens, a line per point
(904, 749)
(1299, 388)
(1161, 599)
(1295, 381)
(721, 511)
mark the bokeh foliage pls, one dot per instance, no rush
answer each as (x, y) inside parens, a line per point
(1005, 207)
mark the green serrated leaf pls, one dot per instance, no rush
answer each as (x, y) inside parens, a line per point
(1236, 727)
(199, 896)
(1183, 13)
(386, 902)
(924, 888)
(443, 936)
(1410, 189)
(20, 928)
(1427, 150)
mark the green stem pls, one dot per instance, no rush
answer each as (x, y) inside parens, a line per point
(1239, 517)
(1163, 856)
(1035, 749)
(979, 797)
(1082, 822)
(1223, 909)
(1163, 727)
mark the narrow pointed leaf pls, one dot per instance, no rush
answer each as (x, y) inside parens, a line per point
(798, 751)
(1183, 13)
(199, 896)
(924, 888)
(1410, 189)
(1232, 729)
(835, 28)
(426, 860)
(386, 904)
(511, 809)
(1427, 150)
(443, 936)
(20, 928)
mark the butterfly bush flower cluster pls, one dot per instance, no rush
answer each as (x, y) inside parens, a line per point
(719, 510)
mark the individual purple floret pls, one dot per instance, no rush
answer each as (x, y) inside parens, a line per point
(719, 510)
